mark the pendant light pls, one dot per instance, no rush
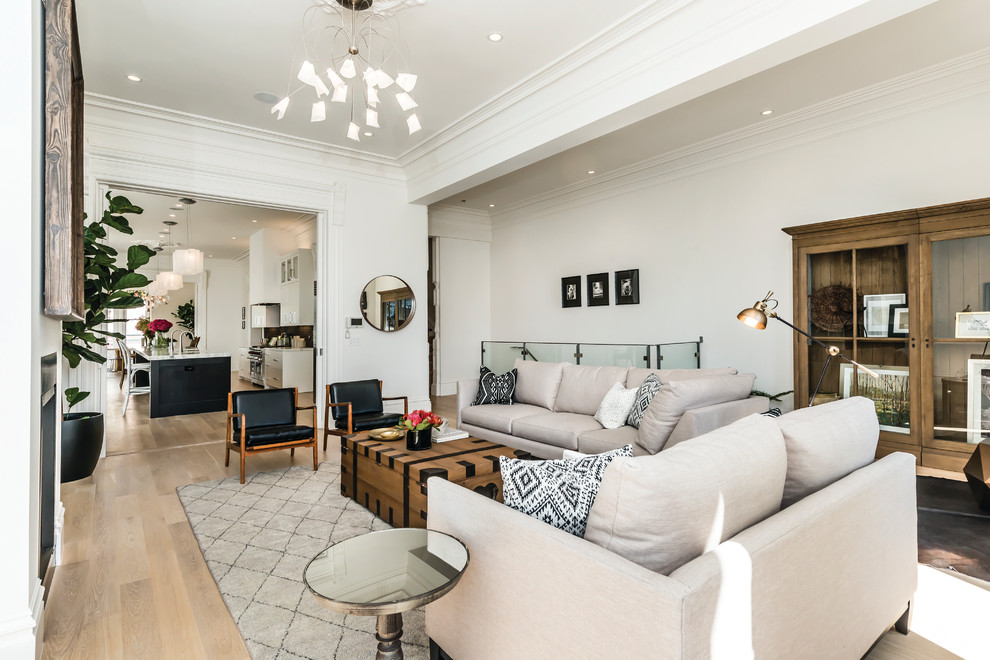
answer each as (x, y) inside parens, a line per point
(188, 261)
(171, 280)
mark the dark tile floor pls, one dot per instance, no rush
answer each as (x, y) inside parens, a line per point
(952, 530)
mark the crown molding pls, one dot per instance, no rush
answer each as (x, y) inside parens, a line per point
(933, 86)
(230, 128)
(477, 216)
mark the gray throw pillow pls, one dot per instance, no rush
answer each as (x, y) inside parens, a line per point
(494, 388)
(651, 385)
(558, 492)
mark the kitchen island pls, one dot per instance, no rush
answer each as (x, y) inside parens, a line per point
(187, 383)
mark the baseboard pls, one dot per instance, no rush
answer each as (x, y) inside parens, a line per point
(446, 389)
(19, 636)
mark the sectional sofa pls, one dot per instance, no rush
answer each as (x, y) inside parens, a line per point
(767, 538)
(555, 404)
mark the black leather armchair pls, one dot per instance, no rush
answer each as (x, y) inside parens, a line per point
(358, 405)
(265, 420)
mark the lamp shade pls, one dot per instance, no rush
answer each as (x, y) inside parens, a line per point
(187, 262)
(172, 281)
(753, 317)
(155, 289)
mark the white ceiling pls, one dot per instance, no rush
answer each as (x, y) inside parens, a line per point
(220, 230)
(210, 57)
(923, 38)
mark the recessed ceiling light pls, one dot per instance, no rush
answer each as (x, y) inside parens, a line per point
(491, 206)
(171, 215)
(267, 98)
(233, 238)
(368, 134)
(495, 36)
(766, 112)
(133, 78)
(254, 221)
(591, 171)
(210, 255)
(178, 206)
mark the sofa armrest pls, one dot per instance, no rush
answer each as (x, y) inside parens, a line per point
(467, 392)
(699, 421)
(526, 578)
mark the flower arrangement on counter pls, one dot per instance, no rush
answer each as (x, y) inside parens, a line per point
(418, 420)
(160, 327)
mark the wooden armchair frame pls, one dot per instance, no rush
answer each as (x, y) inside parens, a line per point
(330, 429)
(242, 448)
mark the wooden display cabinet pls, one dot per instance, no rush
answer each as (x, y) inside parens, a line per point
(927, 260)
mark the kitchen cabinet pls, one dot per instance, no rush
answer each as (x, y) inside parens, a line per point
(243, 364)
(298, 300)
(265, 316)
(289, 367)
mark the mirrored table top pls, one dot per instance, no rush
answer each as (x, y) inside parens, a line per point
(388, 571)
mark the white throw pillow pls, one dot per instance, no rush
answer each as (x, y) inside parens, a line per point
(614, 408)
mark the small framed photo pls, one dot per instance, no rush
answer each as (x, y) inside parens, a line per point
(978, 383)
(570, 291)
(627, 287)
(890, 392)
(876, 319)
(597, 289)
(897, 321)
(972, 325)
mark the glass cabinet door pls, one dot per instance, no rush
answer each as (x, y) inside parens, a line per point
(859, 301)
(960, 342)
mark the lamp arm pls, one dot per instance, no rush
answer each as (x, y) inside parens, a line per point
(802, 332)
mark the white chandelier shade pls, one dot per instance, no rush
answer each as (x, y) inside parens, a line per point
(187, 262)
(341, 39)
(155, 289)
(171, 280)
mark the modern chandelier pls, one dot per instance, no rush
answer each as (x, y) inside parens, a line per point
(352, 56)
(188, 261)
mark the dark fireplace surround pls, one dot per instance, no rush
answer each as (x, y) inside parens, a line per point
(49, 424)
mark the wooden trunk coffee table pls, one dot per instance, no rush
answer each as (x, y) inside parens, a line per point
(390, 480)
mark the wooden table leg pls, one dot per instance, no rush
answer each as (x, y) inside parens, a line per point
(389, 634)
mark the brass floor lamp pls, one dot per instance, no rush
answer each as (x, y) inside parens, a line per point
(756, 317)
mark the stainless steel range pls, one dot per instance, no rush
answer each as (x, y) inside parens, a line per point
(256, 357)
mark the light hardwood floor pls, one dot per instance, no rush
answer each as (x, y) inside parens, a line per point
(133, 583)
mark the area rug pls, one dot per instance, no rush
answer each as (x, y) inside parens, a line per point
(257, 539)
(952, 530)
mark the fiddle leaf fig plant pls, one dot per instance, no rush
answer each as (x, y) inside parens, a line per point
(186, 313)
(107, 287)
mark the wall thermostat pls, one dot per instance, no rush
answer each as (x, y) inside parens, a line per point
(351, 322)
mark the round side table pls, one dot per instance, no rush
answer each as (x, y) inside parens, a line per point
(384, 574)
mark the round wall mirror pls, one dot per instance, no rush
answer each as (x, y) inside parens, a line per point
(387, 303)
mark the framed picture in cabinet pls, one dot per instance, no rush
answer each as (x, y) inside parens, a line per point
(972, 325)
(876, 318)
(891, 393)
(597, 289)
(978, 419)
(897, 321)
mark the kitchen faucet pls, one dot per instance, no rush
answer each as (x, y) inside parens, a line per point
(172, 343)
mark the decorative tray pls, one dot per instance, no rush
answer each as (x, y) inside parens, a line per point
(390, 433)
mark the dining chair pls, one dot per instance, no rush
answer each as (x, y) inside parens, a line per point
(130, 370)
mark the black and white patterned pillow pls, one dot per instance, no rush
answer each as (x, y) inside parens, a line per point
(773, 412)
(494, 388)
(559, 492)
(651, 385)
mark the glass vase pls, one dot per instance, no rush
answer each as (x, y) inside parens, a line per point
(161, 341)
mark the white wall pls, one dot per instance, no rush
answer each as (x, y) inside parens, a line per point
(367, 226)
(175, 298)
(226, 293)
(21, 322)
(705, 230)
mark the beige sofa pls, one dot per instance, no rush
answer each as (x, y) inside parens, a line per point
(556, 404)
(736, 576)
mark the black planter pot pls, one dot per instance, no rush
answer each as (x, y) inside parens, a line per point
(419, 440)
(82, 440)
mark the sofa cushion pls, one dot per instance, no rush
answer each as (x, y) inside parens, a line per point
(498, 417)
(644, 395)
(558, 492)
(637, 375)
(677, 396)
(557, 429)
(600, 440)
(827, 442)
(662, 511)
(495, 388)
(614, 408)
(537, 382)
(582, 388)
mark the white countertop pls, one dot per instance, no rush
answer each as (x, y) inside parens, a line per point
(281, 348)
(163, 354)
